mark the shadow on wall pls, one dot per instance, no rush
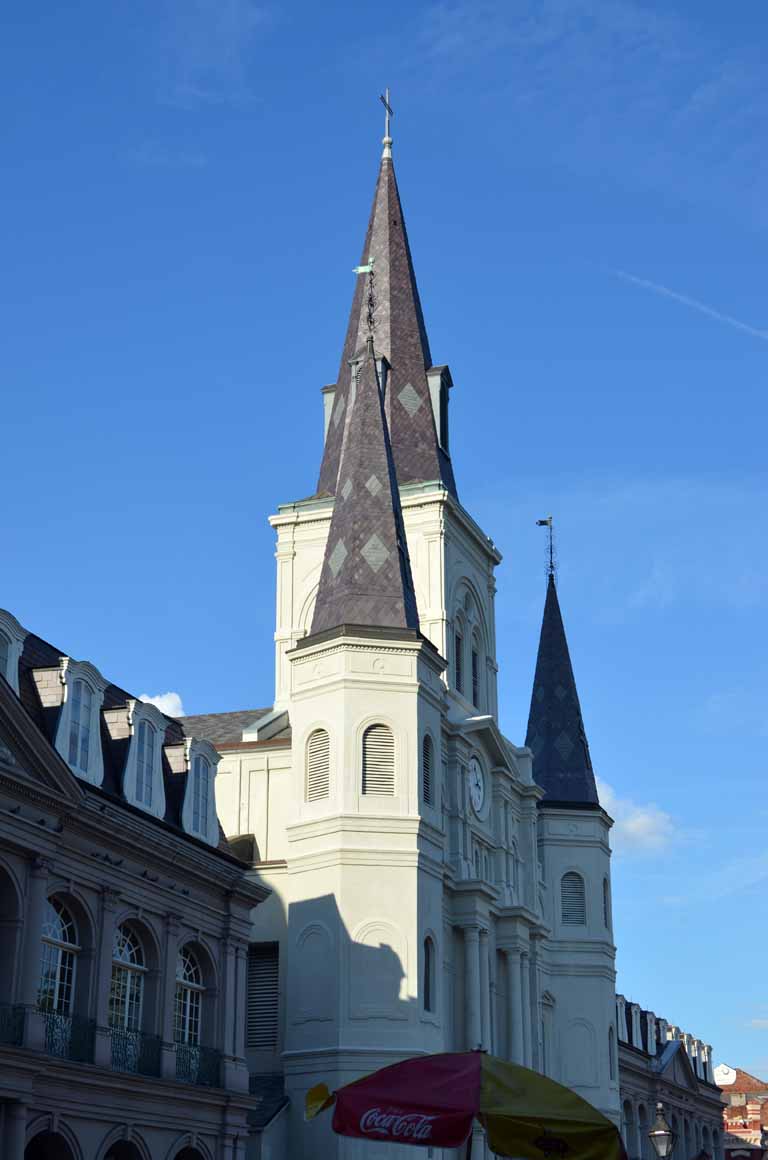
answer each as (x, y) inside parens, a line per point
(342, 981)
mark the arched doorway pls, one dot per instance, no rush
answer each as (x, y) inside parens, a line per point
(189, 1154)
(123, 1150)
(48, 1146)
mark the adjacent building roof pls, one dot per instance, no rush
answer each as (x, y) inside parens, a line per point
(743, 1081)
(401, 337)
(221, 728)
(561, 762)
(366, 573)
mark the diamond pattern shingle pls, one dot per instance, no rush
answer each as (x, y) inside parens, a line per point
(561, 762)
(366, 574)
(401, 337)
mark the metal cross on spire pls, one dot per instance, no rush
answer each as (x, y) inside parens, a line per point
(547, 523)
(388, 112)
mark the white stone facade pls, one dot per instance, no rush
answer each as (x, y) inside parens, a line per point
(371, 893)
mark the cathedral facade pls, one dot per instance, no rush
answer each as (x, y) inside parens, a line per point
(435, 885)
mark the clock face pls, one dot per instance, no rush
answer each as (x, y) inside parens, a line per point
(476, 785)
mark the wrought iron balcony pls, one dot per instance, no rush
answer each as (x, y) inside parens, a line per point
(134, 1051)
(11, 1025)
(69, 1036)
(199, 1065)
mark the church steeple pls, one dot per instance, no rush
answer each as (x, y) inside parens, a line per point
(366, 574)
(561, 762)
(400, 337)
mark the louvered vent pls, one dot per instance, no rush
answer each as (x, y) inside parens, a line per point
(378, 760)
(426, 769)
(573, 900)
(263, 963)
(318, 765)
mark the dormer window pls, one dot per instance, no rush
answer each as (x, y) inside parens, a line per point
(80, 715)
(145, 763)
(199, 810)
(11, 643)
(143, 782)
(201, 789)
(78, 736)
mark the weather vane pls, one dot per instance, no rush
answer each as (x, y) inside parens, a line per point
(547, 523)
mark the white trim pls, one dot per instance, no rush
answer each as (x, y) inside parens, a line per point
(69, 672)
(196, 747)
(138, 712)
(15, 634)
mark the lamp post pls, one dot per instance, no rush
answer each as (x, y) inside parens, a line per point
(661, 1135)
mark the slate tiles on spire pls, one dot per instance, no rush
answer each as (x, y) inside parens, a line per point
(401, 338)
(561, 762)
(366, 573)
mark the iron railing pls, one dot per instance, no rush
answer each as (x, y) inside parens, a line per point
(199, 1065)
(11, 1025)
(69, 1036)
(134, 1051)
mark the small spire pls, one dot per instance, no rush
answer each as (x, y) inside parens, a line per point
(387, 139)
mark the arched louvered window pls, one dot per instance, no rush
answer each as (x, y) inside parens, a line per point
(573, 899)
(318, 765)
(378, 760)
(263, 995)
(427, 765)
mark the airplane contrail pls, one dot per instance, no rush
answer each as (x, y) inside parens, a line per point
(702, 307)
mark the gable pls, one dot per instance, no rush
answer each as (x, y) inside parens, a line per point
(676, 1067)
(27, 757)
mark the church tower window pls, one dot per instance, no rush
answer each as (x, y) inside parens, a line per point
(429, 974)
(378, 760)
(573, 899)
(426, 768)
(606, 904)
(318, 766)
(475, 674)
(458, 660)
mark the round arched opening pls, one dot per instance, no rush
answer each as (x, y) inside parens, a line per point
(48, 1146)
(189, 1154)
(123, 1150)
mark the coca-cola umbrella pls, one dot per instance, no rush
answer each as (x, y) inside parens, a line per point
(433, 1100)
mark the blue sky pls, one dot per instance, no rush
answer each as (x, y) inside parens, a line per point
(186, 187)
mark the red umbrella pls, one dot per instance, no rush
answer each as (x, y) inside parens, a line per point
(433, 1100)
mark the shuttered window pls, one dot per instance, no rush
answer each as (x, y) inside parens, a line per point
(458, 660)
(606, 904)
(318, 765)
(263, 974)
(378, 760)
(573, 899)
(426, 769)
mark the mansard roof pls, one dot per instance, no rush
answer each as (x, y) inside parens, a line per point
(562, 765)
(401, 337)
(222, 728)
(41, 654)
(366, 573)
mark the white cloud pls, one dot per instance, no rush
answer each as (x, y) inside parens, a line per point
(169, 703)
(206, 58)
(638, 829)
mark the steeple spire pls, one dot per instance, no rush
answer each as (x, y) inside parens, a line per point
(366, 574)
(400, 336)
(561, 762)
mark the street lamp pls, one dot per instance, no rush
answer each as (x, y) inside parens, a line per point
(661, 1135)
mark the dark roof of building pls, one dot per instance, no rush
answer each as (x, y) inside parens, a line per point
(561, 762)
(41, 654)
(366, 573)
(401, 337)
(221, 728)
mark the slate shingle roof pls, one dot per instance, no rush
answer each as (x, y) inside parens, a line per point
(400, 335)
(221, 728)
(561, 762)
(366, 574)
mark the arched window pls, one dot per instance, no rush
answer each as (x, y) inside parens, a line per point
(475, 671)
(80, 725)
(145, 763)
(606, 904)
(201, 791)
(458, 658)
(429, 974)
(378, 760)
(126, 995)
(189, 997)
(318, 765)
(612, 1053)
(426, 769)
(5, 652)
(573, 900)
(59, 962)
